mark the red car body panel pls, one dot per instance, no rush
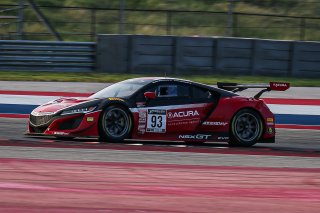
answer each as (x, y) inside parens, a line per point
(217, 122)
(59, 104)
(88, 126)
(180, 120)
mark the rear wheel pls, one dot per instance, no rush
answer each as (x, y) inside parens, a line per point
(115, 124)
(246, 128)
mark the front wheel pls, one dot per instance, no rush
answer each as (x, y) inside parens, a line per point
(246, 128)
(115, 124)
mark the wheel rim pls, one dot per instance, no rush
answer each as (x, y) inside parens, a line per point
(116, 122)
(247, 127)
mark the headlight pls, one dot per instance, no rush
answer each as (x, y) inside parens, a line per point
(82, 110)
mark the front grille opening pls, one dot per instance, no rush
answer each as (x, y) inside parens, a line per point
(40, 120)
(38, 129)
(71, 123)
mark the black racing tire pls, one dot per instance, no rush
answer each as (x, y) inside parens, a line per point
(246, 128)
(115, 124)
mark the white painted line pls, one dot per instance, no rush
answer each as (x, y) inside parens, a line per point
(26, 99)
(294, 109)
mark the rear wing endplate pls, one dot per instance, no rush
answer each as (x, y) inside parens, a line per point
(234, 87)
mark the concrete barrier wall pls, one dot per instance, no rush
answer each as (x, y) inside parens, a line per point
(151, 54)
(194, 54)
(55, 56)
(206, 55)
(165, 54)
(306, 59)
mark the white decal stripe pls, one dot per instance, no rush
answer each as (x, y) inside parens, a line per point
(189, 106)
(294, 109)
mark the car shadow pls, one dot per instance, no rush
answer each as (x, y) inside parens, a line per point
(199, 146)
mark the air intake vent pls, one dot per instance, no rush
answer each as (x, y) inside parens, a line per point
(40, 120)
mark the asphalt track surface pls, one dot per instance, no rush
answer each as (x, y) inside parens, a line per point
(45, 174)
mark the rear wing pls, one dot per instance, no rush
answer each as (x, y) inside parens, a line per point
(234, 87)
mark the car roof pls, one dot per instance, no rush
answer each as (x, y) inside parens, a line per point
(168, 79)
(157, 79)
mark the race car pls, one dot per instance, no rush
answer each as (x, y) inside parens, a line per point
(161, 108)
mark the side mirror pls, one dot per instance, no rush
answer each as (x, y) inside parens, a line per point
(150, 95)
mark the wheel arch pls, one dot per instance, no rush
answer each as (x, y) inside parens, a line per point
(114, 103)
(251, 109)
(120, 103)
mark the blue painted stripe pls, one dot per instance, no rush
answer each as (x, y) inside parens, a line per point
(16, 108)
(298, 119)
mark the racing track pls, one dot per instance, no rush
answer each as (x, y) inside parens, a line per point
(286, 140)
(84, 176)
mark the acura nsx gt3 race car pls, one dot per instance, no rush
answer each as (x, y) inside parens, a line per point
(161, 109)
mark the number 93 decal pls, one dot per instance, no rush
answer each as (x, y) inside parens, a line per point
(157, 120)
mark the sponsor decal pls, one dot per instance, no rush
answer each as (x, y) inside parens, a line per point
(279, 84)
(60, 133)
(270, 121)
(41, 113)
(223, 138)
(141, 104)
(156, 111)
(182, 114)
(90, 119)
(157, 120)
(142, 121)
(270, 130)
(115, 99)
(197, 136)
(178, 123)
(214, 123)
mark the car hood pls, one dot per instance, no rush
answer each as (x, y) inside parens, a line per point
(59, 104)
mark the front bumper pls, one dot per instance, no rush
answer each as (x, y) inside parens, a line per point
(65, 126)
(268, 140)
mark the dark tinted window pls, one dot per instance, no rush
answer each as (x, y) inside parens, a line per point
(172, 90)
(199, 93)
(167, 90)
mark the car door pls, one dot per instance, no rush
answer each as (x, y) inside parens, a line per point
(174, 110)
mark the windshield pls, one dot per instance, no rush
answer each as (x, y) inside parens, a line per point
(122, 89)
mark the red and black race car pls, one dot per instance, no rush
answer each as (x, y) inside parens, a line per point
(161, 109)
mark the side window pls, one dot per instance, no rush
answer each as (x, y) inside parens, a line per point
(167, 91)
(184, 91)
(173, 90)
(199, 93)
